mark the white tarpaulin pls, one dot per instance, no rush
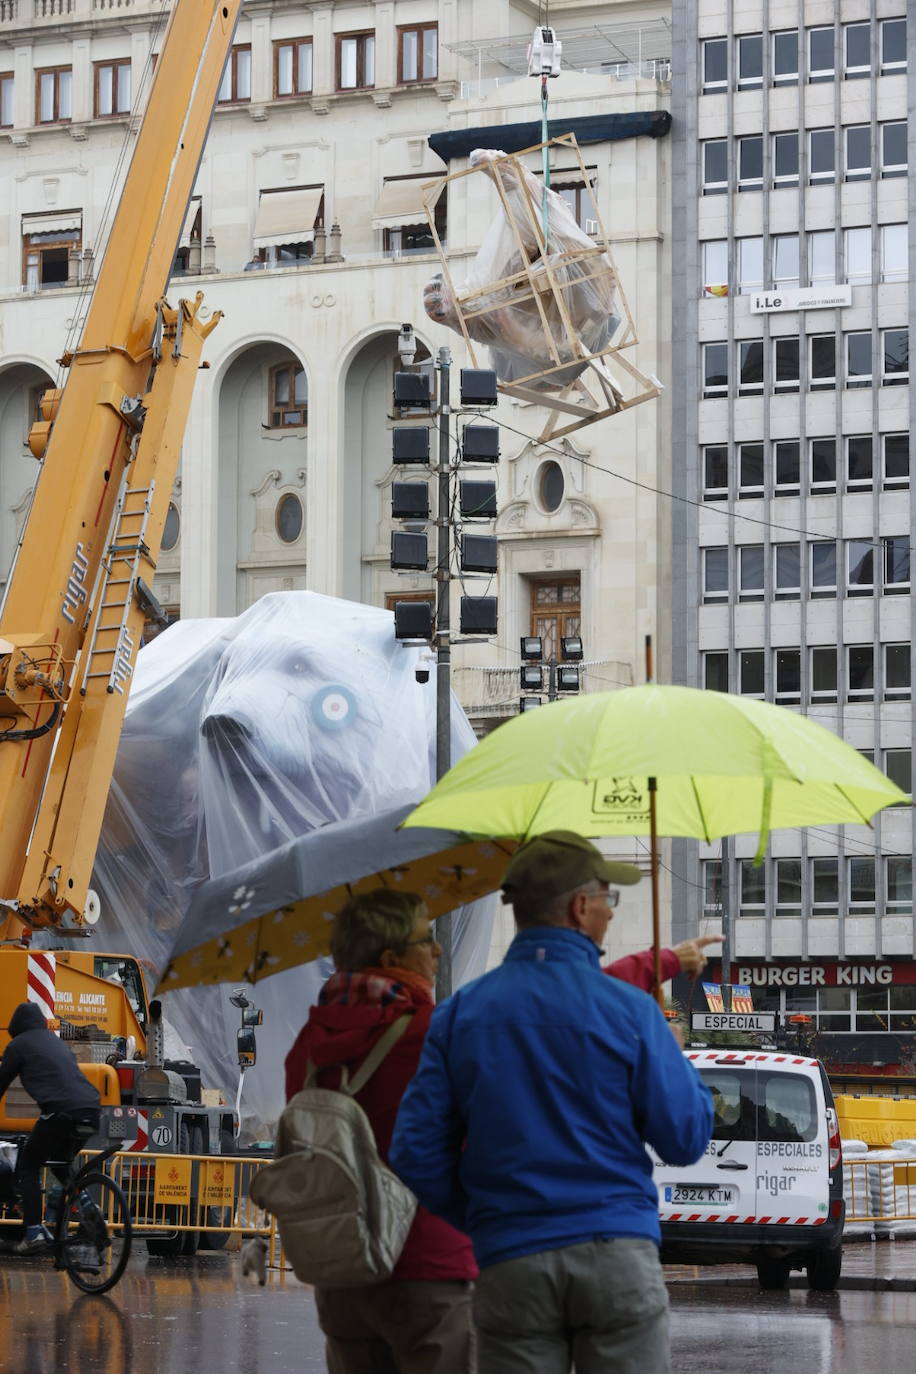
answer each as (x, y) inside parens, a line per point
(240, 734)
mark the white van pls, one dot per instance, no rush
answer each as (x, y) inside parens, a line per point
(769, 1189)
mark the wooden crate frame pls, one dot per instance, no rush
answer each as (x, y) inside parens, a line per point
(595, 394)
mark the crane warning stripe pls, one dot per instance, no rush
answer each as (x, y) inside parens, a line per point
(142, 1140)
(41, 969)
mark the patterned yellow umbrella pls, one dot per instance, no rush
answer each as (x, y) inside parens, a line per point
(275, 912)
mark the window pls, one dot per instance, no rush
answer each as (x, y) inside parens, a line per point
(822, 361)
(823, 675)
(896, 459)
(893, 45)
(894, 252)
(577, 197)
(750, 573)
(856, 50)
(750, 61)
(715, 65)
(785, 58)
(786, 265)
(750, 672)
(893, 150)
(47, 243)
(825, 887)
(860, 875)
(715, 369)
(820, 54)
(750, 163)
(895, 350)
(898, 765)
(715, 472)
(712, 884)
(112, 88)
(750, 367)
(292, 67)
(750, 470)
(715, 267)
(822, 257)
(897, 679)
(715, 672)
(753, 888)
(858, 152)
(785, 364)
(785, 159)
(556, 610)
(788, 676)
(401, 214)
(823, 466)
(355, 61)
(787, 467)
(787, 571)
(857, 256)
(860, 567)
(6, 100)
(288, 397)
(898, 885)
(858, 359)
(821, 155)
(715, 574)
(236, 83)
(858, 462)
(53, 91)
(418, 53)
(715, 167)
(823, 568)
(288, 518)
(750, 265)
(787, 875)
(860, 672)
(896, 564)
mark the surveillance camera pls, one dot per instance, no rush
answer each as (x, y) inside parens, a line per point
(239, 999)
(424, 663)
(422, 674)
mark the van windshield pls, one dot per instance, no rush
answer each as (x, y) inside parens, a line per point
(751, 1104)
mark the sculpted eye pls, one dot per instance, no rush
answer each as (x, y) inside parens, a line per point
(298, 667)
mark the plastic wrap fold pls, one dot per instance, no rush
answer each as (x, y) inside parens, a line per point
(240, 734)
(517, 323)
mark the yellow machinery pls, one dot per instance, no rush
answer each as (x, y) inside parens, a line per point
(109, 444)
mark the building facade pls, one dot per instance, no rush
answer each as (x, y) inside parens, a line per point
(307, 232)
(792, 499)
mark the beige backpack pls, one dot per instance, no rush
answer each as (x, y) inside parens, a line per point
(343, 1216)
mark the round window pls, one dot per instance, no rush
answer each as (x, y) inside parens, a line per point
(172, 528)
(551, 486)
(289, 518)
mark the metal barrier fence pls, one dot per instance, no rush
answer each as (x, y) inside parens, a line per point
(880, 1187)
(169, 1193)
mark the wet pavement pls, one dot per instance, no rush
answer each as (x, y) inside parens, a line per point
(198, 1316)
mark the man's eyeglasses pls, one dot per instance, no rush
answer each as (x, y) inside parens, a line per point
(429, 939)
(612, 896)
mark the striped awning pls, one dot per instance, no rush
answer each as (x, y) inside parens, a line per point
(401, 202)
(65, 222)
(287, 216)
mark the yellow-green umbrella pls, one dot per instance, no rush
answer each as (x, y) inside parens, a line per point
(722, 765)
(657, 760)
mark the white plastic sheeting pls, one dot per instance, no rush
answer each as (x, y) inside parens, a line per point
(240, 734)
(510, 320)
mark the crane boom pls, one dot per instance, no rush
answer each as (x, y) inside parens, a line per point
(111, 440)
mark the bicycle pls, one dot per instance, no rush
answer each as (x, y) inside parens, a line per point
(92, 1232)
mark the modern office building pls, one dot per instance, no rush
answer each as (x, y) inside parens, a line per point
(791, 493)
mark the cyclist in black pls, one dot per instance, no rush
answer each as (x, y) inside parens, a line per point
(50, 1074)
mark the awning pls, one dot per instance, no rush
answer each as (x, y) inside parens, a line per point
(189, 221)
(512, 138)
(287, 216)
(569, 176)
(401, 202)
(67, 222)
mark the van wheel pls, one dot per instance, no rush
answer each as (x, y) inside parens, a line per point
(773, 1274)
(824, 1269)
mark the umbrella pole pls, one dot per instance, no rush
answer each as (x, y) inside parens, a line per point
(656, 922)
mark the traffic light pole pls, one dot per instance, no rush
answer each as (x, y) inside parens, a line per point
(443, 638)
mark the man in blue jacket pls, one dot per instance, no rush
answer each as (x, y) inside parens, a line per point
(526, 1126)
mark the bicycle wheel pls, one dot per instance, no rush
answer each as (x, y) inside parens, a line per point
(94, 1238)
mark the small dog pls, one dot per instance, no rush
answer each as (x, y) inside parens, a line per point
(254, 1259)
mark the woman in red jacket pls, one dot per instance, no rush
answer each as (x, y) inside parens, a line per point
(419, 1321)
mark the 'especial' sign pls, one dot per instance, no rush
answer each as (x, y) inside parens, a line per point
(804, 298)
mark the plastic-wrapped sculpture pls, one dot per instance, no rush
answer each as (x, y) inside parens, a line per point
(543, 296)
(241, 733)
